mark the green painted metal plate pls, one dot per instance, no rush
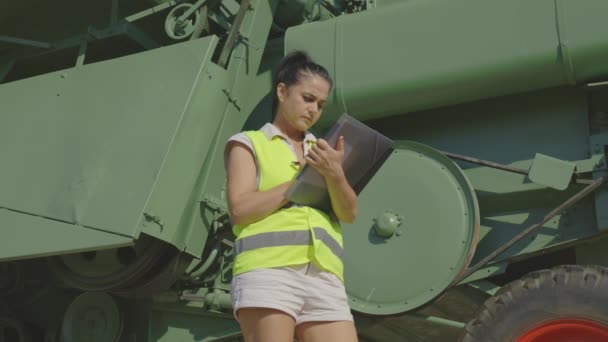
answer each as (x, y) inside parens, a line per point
(26, 236)
(551, 172)
(90, 148)
(438, 222)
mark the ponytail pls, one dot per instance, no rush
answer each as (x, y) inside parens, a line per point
(290, 70)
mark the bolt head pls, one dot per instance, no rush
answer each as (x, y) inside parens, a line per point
(386, 224)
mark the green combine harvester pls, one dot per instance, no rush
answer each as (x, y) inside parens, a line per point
(488, 223)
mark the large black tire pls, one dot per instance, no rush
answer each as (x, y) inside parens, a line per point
(560, 293)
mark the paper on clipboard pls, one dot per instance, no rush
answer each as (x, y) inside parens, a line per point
(365, 150)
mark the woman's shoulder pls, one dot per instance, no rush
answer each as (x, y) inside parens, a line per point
(241, 137)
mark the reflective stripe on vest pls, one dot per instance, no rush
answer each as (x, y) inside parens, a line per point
(289, 238)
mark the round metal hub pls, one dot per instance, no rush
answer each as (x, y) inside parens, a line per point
(94, 317)
(112, 269)
(434, 215)
(567, 330)
(180, 29)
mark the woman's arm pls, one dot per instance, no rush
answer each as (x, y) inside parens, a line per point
(328, 162)
(245, 203)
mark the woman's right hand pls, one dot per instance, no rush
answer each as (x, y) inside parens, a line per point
(326, 159)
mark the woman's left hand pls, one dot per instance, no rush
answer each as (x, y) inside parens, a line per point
(327, 160)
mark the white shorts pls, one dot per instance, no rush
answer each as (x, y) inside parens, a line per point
(304, 292)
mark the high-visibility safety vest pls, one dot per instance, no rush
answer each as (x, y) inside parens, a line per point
(290, 236)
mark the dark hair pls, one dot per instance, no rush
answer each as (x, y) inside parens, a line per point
(290, 70)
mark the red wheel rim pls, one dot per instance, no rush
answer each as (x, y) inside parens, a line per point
(567, 330)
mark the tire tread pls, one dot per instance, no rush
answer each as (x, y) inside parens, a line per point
(480, 329)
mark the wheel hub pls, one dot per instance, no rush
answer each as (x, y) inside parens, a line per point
(92, 316)
(113, 269)
(568, 329)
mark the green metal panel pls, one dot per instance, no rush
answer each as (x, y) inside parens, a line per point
(239, 89)
(176, 197)
(422, 54)
(26, 236)
(173, 198)
(86, 145)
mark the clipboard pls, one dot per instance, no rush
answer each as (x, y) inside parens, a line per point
(365, 150)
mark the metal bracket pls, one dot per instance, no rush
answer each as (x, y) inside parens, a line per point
(156, 219)
(485, 286)
(531, 229)
(231, 99)
(26, 42)
(551, 172)
(215, 205)
(234, 31)
(576, 176)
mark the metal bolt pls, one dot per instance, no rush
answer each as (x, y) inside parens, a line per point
(387, 223)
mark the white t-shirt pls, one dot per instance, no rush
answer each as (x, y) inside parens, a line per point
(270, 131)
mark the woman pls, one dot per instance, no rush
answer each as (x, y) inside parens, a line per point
(288, 273)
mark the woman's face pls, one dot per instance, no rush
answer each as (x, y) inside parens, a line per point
(301, 104)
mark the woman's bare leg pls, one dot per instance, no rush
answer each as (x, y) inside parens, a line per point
(338, 331)
(266, 325)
